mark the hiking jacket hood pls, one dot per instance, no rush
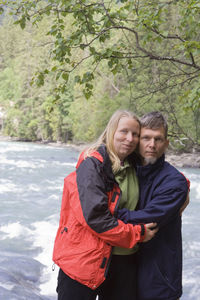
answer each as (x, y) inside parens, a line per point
(88, 227)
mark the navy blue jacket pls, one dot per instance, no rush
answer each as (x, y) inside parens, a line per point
(163, 190)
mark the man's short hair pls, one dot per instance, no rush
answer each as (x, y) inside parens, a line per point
(154, 120)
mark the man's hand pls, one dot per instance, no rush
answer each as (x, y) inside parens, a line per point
(151, 230)
(185, 203)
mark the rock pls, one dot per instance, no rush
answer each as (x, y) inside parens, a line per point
(184, 160)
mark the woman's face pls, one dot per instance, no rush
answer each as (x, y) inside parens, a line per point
(126, 137)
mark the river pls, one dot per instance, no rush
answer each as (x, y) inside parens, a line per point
(31, 182)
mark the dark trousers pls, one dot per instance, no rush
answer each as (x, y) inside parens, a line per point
(120, 283)
(69, 289)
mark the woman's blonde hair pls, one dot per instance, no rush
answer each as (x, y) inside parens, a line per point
(107, 137)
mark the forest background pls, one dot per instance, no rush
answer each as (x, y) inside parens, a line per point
(66, 66)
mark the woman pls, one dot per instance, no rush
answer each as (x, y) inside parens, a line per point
(91, 243)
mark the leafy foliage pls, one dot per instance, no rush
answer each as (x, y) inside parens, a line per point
(132, 54)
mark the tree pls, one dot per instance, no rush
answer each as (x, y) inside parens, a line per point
(155, 44)
(146, 35)
(30, 110)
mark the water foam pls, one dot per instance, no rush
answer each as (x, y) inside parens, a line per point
(8, 186)
(13, 230)
(43, 236)
(14, 147)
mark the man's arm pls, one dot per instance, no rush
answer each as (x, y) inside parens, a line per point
(89, 203)
(166, 202)
(187, 201)
(188, 196)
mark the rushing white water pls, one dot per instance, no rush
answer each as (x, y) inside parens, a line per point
(31, 182)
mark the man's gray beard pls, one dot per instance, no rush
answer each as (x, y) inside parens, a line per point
(150, 160)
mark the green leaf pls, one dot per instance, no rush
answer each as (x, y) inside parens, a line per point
(65, 76)
(77, 79)
(40, 80)
(22, 22)
(54, 69)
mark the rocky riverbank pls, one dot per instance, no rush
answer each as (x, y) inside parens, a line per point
(184, 160)
(179, 160)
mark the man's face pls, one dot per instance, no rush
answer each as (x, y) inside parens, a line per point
(126, 137)
(153, 144)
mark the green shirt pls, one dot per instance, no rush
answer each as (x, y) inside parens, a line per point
(128, 183)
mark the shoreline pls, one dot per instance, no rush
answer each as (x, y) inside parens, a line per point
(179, 160)
(183, 160)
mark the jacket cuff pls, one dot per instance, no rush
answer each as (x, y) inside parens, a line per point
(142, 232)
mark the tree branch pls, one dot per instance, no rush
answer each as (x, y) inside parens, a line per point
(165, 87)
(152, 55)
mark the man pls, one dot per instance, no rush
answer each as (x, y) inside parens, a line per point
(163, 191)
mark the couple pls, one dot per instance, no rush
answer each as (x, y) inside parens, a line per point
(119, 235)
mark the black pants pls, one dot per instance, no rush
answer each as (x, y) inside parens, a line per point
(120, 283)
(69, 289)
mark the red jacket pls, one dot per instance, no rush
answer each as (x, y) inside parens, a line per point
(88, 228)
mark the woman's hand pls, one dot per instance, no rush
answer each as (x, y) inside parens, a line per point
(150, 231)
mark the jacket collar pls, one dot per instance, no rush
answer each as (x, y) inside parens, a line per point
(106, 164)
(151, 169)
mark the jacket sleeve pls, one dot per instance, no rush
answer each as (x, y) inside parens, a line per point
(167, 198)
(97, 217)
